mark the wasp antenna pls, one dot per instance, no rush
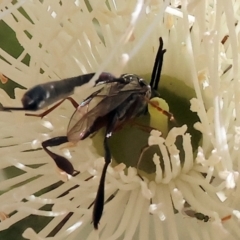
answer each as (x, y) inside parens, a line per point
(157, 68)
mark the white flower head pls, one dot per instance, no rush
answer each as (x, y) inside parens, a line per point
(191, 188)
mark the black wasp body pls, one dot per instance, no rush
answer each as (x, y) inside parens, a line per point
(113, 104)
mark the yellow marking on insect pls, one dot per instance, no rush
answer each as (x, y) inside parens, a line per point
(157, 119)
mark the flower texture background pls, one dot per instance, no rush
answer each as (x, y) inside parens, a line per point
(50, 40)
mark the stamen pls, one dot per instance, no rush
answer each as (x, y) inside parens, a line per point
(3, 78)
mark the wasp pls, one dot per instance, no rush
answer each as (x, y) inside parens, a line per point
(199, 216)
(117, 101)
(187, 210)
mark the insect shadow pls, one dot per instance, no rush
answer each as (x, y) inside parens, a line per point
(116, 102)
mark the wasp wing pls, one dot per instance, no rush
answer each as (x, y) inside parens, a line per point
(98, 105)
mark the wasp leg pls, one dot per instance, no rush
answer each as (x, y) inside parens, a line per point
(157, 68)
(43, 114)
(166, 113)
(99, 201)
(224, 219)
(60, 161)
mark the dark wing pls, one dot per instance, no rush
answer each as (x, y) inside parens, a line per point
(98, 105)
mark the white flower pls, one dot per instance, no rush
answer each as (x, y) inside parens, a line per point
(62, 39)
